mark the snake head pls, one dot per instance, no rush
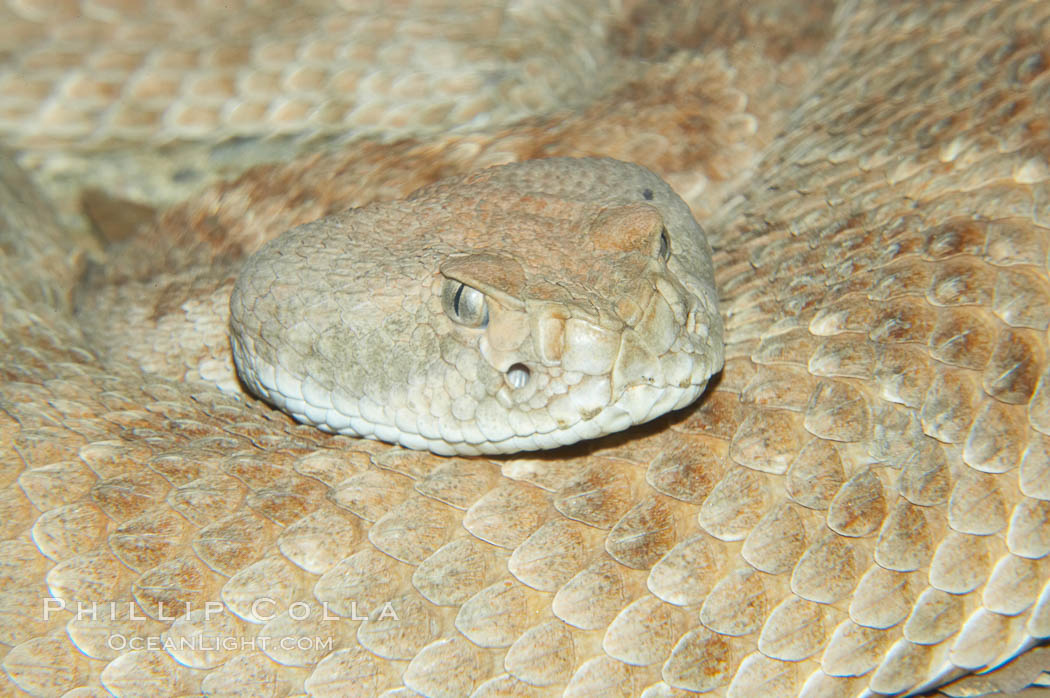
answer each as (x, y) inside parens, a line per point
(518, 308)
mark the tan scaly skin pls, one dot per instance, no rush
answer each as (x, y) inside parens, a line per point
(859, 502)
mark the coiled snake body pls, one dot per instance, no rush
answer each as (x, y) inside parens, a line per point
(859, 503)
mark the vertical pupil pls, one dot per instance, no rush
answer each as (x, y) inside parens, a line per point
(455, 299)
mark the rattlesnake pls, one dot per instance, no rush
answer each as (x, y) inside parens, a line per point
(858, 502)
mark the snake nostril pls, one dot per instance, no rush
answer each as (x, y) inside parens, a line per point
(518, 375)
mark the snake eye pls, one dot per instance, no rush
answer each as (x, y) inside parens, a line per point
(664, 252)
(464, 304)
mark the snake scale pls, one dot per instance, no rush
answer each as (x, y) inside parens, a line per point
(859, 503)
